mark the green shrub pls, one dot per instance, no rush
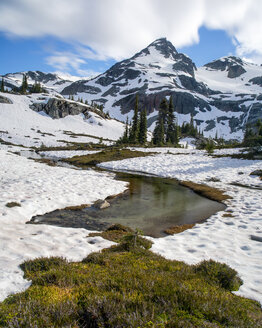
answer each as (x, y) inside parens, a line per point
(42, 264)
(221, 273)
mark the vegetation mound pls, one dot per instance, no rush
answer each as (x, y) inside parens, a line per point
(129, 286)
(112, 154)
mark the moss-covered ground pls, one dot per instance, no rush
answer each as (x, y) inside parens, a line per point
(129, 286)
(206, 191)
(108, 155)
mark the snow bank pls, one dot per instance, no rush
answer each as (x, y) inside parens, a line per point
(39, 188)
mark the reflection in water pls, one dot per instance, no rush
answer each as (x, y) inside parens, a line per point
(152, 205)
(156, 204)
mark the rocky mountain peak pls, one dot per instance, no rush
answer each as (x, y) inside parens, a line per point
(165, 47)
(162, 46)
(233, 65)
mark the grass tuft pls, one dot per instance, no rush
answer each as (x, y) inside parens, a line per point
(206, 191)
(12, 204)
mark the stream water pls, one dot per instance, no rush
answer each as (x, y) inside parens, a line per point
(151, 204)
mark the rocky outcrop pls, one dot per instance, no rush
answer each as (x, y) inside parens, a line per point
(235, 71)
(232, 64)
(59, 108)
(80, 86)
(256, 80)
(255, 113)
(4, 100)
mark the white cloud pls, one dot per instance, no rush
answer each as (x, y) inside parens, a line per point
(119, 28)
(66, 61)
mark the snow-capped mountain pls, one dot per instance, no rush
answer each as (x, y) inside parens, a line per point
(222, 95)
(50, 81)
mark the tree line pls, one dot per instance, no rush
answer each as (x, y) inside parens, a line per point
(166, 132)
(24, 88)
(137, 132)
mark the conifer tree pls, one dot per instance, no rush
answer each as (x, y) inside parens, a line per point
(142, 135)
(163, 113)
(2, 85)
(171, 126)
(135, 124)
(24, 85)
(176, 134)
(36, 88)
(192, 130)
(126, 133)
(159, 133)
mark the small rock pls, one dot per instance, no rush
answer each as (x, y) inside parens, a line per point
(101, 204)
(256, 238)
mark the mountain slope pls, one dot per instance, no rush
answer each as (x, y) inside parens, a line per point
(231, 75)
(222, 96)
(39, 119)
(50, 81)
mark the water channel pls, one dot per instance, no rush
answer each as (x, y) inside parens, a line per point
(151, 204)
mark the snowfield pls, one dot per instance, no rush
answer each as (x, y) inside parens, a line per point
(235, 240)
(38, 188)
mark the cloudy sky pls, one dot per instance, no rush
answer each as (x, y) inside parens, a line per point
(83, 37)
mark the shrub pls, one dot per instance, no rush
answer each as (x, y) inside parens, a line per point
(12, 204)
(220, 273)
(42, 264)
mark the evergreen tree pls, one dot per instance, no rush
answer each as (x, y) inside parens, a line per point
(36, 88)
(24, 85)
(192, 129)
(159, 133)
(133, 138)
(142, 135)
(2, 85)
(171, 133)
(176, 134)
(163, 113)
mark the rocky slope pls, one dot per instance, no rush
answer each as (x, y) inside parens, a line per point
(222, 96)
